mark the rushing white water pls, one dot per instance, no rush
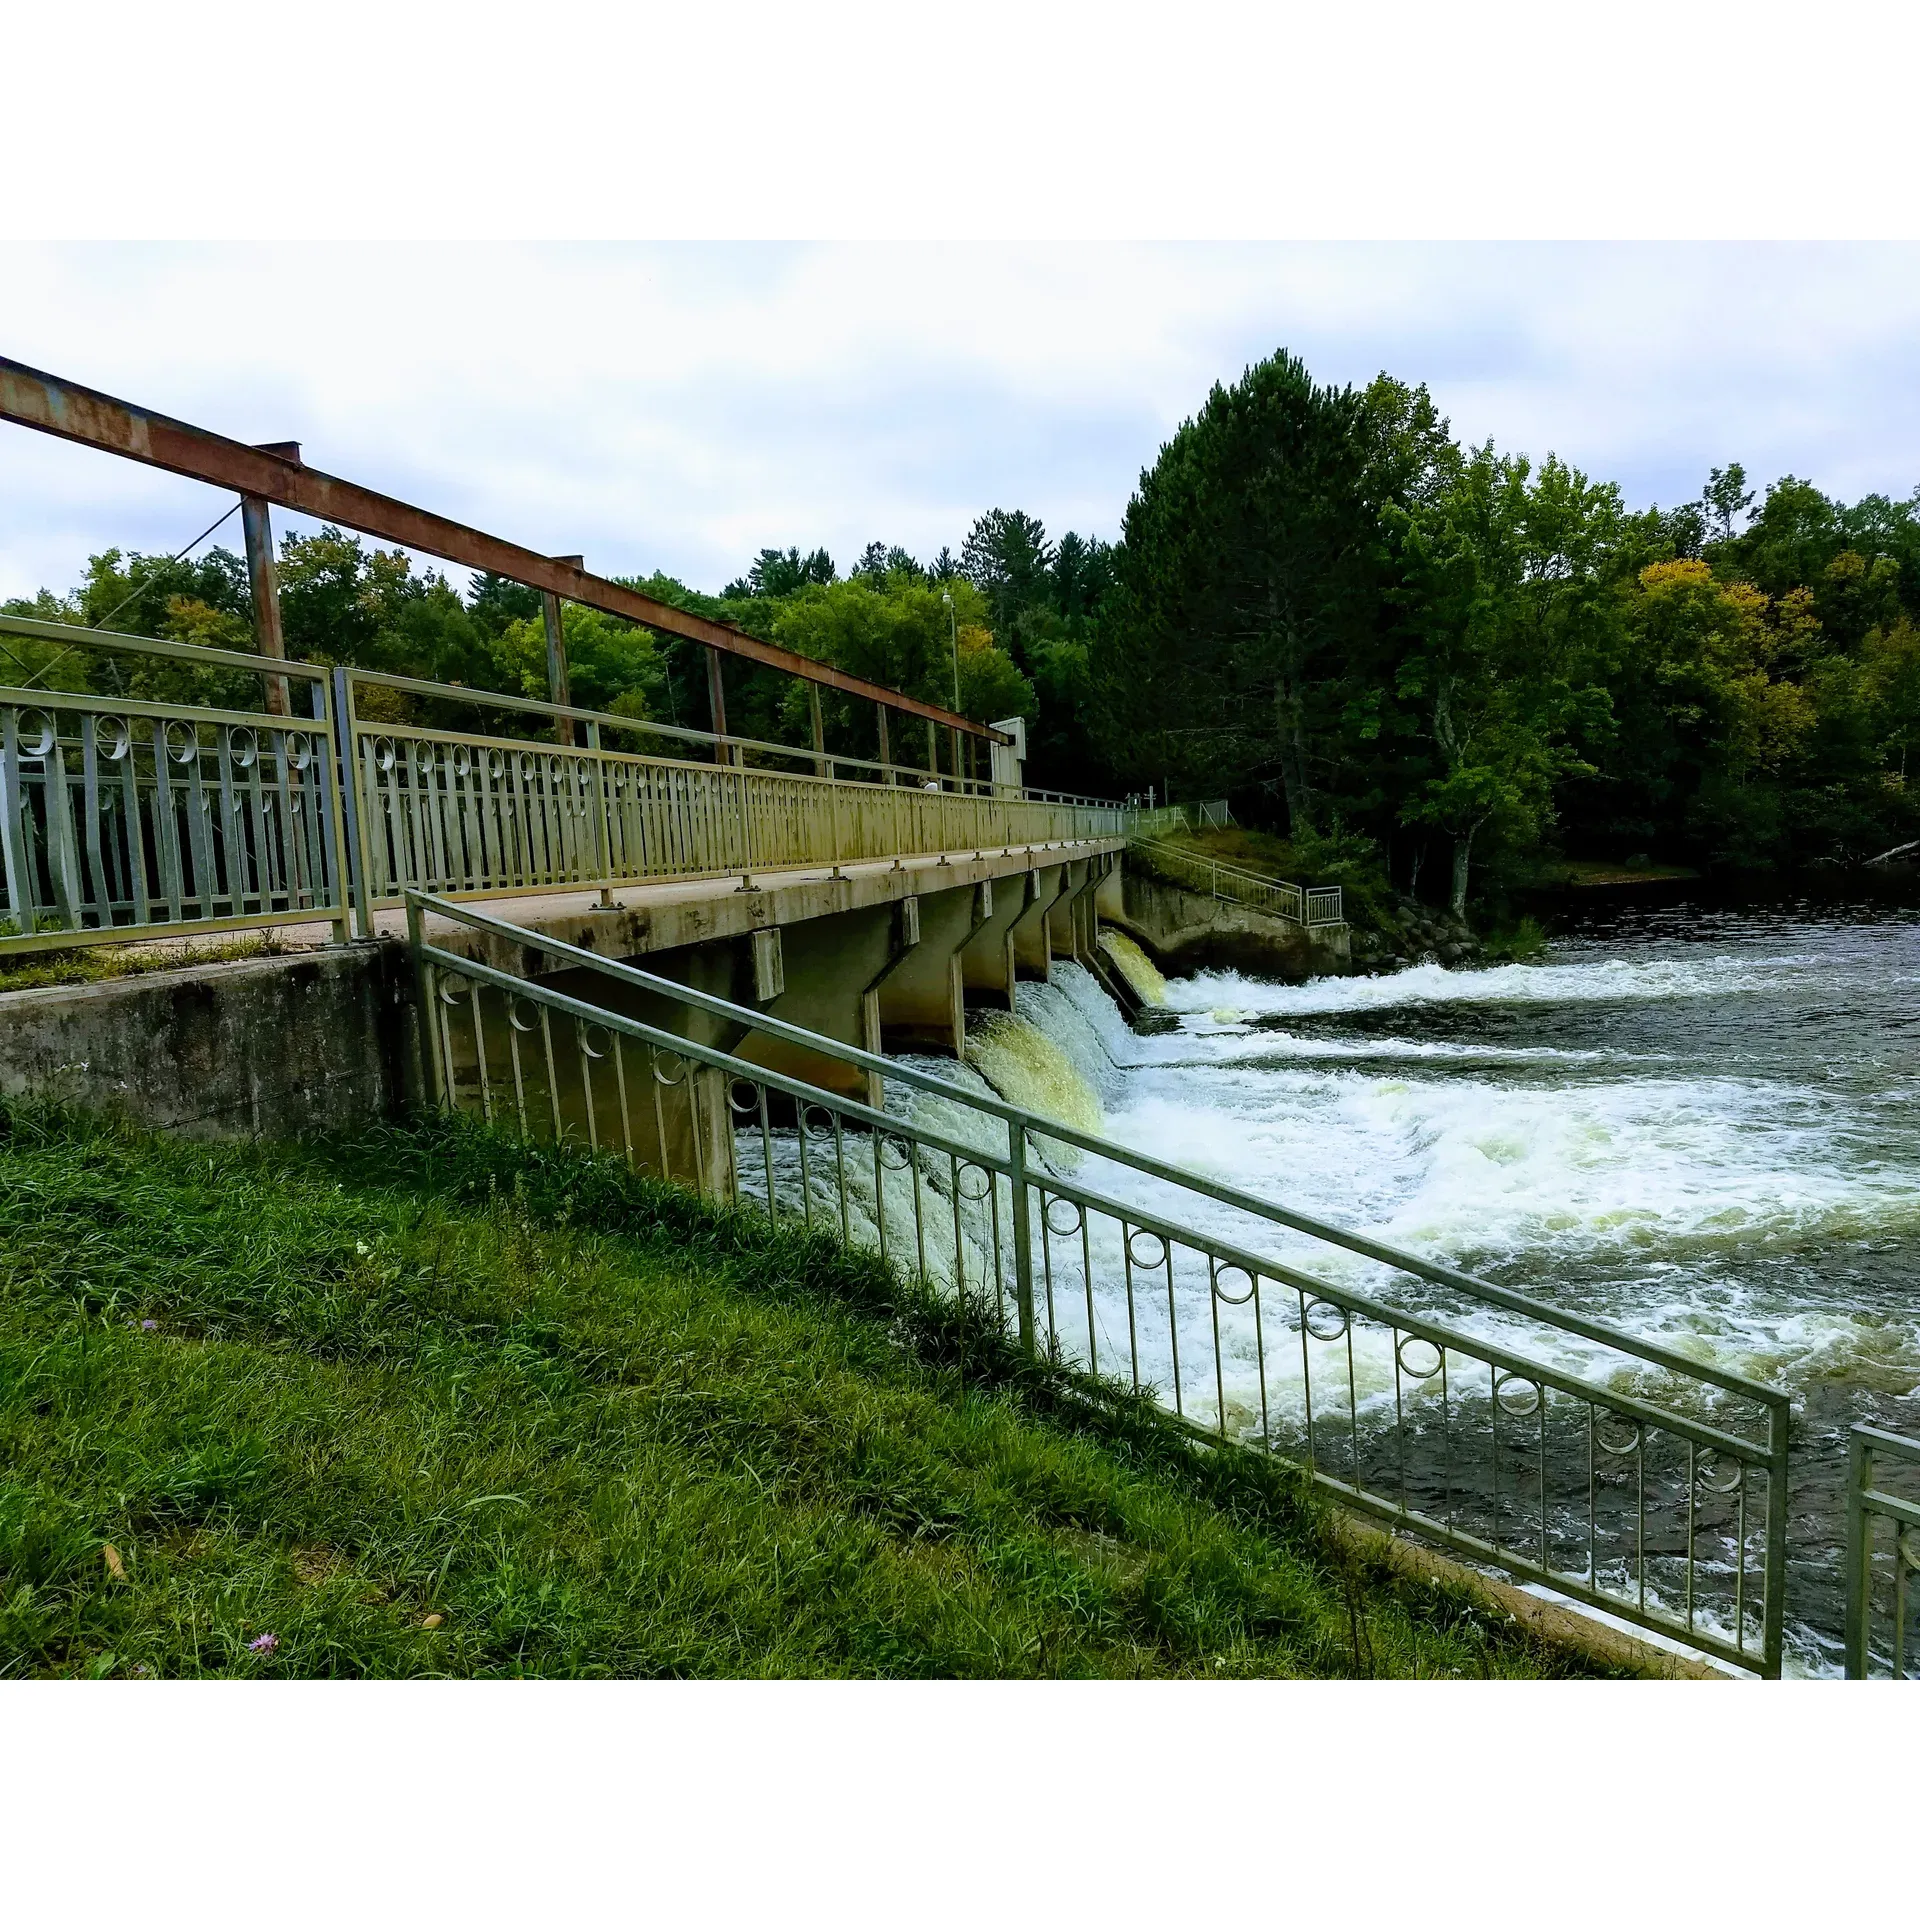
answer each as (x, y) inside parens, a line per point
(1701, 1131)
(1611, 978)
(1650, 1183)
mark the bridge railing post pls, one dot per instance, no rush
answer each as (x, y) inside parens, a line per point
(358, 879)
(335, 785)
(1022, 1237)
(833, 803)
(1859, 1568)
(602, 824)
(1774, 1614)
(433, 1091)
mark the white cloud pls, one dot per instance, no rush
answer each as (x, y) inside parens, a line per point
(680, 407)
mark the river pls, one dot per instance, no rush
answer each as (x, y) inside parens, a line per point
(1694, 1120)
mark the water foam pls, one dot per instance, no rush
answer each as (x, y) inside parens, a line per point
(1684, 1206)
(1431, 984)
(1140, 973)
(1464, 1167)
(1641, 1196)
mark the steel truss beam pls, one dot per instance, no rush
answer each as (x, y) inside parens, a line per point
(49, 404)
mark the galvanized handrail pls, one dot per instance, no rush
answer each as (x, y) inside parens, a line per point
(841, 763)
(1229, 869)
(826, 762)
(1868, 1448)
(1559, 1472)
(278, 835)
(59, 633)
(489, 817)
(130, 819)
(1303, 906)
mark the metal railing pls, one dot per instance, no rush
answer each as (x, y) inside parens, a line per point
(1883, 1548)
(125, 816)
(1189, 817)
(1304, 906)
(487, 815)
(1572, 1455)
(130, 818)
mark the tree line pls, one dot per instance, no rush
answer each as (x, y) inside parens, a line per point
(1329, 608)
(1393, 647)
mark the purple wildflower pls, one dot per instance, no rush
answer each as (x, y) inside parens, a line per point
(267, 1643)
(149, 1326)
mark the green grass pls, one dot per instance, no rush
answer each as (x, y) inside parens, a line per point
(596, 1428)
(83, 966)
(1348, 861)
(1634, 870)
(1523, 940)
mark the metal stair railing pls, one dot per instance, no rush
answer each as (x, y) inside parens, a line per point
(1575, 1456)
(1303, 906)
(1883, 1548)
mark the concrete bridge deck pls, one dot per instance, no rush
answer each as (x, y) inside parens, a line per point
(651, 915)
(883, 954)
(656, 916)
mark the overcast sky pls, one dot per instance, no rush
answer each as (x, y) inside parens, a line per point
(680, 407)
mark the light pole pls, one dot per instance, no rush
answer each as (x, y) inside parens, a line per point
(953, 633)
(953, 630)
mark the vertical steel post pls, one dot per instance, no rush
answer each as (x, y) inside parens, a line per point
(886, 754)
(717, 707)
(559, 681)
(269, 637)
(819, 729)
(833, 802)
(1859, 1553)
(354, 815)
(1774, 1620)
(602, 832)
(430, 1087)
(335, 789)
(1022, 1236)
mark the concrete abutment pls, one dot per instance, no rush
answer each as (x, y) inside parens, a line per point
(888, 957)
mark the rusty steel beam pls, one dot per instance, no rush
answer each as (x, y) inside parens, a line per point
(51, 405)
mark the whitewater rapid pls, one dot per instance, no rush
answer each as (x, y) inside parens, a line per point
(1693, 1195)
(1702, 1132)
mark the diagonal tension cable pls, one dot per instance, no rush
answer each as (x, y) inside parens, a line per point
(131, 598)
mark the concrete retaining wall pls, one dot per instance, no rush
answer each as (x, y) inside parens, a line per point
(261, 1048)
(1190, 932)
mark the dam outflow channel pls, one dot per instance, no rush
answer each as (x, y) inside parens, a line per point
(1700, 1125)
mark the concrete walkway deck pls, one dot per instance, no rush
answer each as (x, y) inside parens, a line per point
(651, 915)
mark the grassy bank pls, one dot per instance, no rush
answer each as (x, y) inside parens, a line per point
(431, 1403)
(1348, 862)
